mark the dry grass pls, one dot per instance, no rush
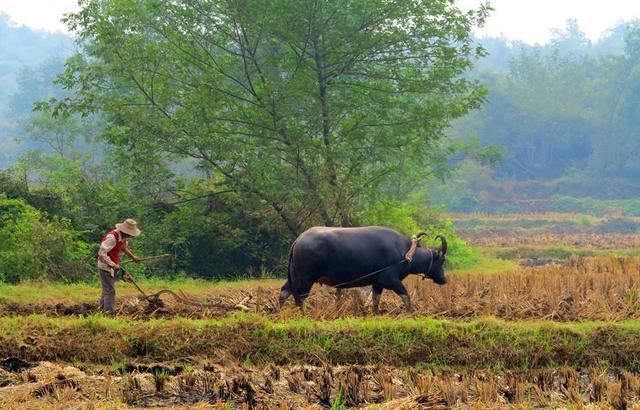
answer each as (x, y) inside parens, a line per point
(309, 387)
(535, 216)
(502, 237)
(593, 288)
(598, 288)
(603, 288)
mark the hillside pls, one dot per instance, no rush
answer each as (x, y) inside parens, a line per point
(565, 117)
(23, 52)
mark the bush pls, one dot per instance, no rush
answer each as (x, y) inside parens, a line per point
(35, 248)
(216, 237)
(414, 216)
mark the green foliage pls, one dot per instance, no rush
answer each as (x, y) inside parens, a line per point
(340, 403)
(392, 214)
(29, 60)
(238, 240)
(330, 100)
(34, 247)
(565, 114)
(560, 252)
(593, 206)
(415, 216)
(208, 234)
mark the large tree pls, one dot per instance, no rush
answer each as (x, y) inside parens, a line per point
(307, 107)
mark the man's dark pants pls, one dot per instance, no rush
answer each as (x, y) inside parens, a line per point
(108, 298)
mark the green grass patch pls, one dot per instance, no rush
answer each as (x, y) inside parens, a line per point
(486, 265)
(482, 343)
(535, 223)
(56, 292)
(555, 252)
(629, 207)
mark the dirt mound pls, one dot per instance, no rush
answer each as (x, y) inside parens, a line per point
(58, 309)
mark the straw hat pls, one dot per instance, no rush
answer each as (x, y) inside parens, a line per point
(129, 226)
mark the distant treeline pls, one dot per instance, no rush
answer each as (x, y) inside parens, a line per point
(566, 117)
(28, 61)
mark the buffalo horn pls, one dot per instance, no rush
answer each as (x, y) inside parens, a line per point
(421, 235)
(443, 248)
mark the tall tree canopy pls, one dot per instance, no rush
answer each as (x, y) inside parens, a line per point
(307, 107)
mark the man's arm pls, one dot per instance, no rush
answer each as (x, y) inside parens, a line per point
(126, 250)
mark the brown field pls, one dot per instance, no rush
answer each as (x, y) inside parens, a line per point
(535, 216)
(593, 288)
(205, 386)
(503, 237)
(485, 370)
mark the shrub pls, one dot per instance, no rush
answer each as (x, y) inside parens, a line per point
(34, 248)
(414, 216)
(217, 236)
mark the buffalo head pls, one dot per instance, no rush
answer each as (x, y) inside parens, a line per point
(435, 271)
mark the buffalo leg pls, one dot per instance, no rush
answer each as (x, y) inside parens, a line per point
(401, 291)
(301, 295)
(407, 303)
(285, 292)
(375, 297)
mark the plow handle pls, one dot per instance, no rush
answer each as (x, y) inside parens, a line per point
(149, 258)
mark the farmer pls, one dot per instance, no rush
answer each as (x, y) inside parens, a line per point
(112, 244)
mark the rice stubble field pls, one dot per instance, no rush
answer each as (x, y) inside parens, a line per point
(561, 332)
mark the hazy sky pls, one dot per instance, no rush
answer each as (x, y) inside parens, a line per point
(526, 20)
(532, 20)
(38, 14)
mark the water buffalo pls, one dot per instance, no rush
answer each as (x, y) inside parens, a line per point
(353, 257)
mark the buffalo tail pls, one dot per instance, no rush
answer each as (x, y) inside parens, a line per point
(293, 286)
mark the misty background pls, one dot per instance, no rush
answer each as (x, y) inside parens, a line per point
(560, 120)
